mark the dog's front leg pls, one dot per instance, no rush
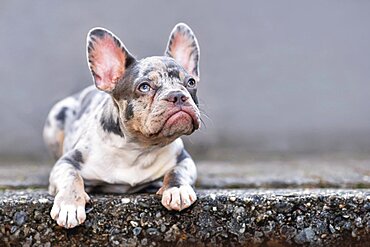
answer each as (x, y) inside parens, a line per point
(177, 191)
(70, 197)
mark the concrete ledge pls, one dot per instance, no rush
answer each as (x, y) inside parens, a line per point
(220, 217)
(352, 172)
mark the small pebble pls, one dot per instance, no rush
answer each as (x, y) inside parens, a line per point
(152, 231)
(125, 200)
(20, 218)
(43, 200)
(134, 223)
(37, 236)
(144, 241)
(331, 228)
(136, 231)
(163, 228)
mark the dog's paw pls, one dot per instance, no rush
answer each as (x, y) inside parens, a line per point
(69, 208)
(177, 198)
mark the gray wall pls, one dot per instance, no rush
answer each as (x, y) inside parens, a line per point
(275, 75)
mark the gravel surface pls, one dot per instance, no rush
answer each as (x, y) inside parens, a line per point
(219, 218)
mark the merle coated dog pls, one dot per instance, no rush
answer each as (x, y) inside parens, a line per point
(123, 133)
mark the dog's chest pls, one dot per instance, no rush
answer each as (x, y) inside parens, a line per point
(125, 166)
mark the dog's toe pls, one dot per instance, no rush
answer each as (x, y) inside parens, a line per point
(178, 198)
(188, 196)
(81, 215)
(175, 199)
(62, 217)
(71, 216)
(54, 213)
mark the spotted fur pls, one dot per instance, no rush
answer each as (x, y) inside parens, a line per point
(116, 136)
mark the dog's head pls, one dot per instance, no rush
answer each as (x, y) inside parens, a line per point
(155, 96)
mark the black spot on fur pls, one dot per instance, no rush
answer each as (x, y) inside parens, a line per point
(75, 159)
(77, 156)
(174, 179)
(61, 116)
(183, 155)
(174, 73)
(111, 126)
(98, 32)
(129, 114)
(180, 174)
(171, 64)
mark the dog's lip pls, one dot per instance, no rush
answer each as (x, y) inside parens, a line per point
(188, 111)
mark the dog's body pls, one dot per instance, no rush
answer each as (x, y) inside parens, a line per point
(126, 130)
(94, 145)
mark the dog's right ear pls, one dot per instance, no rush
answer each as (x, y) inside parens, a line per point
(183, 47)
(107, 57)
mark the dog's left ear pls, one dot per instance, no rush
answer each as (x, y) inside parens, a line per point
(183, 47)
(107, 57)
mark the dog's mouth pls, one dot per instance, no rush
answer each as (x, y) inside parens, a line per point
(177, 121)
(182, 116)
(181, 120)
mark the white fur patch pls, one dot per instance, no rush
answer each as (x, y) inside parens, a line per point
(128, 166)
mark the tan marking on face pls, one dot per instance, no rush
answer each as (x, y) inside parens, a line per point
(182, 75)
(154, 78)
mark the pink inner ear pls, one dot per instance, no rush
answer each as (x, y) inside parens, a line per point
(181, 49)
(108, 62)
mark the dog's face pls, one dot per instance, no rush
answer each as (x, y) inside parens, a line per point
(155, 96)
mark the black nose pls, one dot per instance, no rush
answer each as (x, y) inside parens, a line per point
(176, 97)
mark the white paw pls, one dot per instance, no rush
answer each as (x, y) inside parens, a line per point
(178, 198)
(69, 208)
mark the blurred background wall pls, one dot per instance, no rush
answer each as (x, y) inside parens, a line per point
(276, 76)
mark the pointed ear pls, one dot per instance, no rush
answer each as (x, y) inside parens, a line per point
(107, 57)
(183, 47)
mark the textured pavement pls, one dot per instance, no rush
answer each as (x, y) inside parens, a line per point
(219, 218)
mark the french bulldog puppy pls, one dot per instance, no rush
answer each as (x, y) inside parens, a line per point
(125, 130)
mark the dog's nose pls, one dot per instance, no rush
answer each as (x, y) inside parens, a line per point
(176, 97)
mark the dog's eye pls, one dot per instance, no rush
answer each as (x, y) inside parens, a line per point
(144, 87)
(191, 83)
